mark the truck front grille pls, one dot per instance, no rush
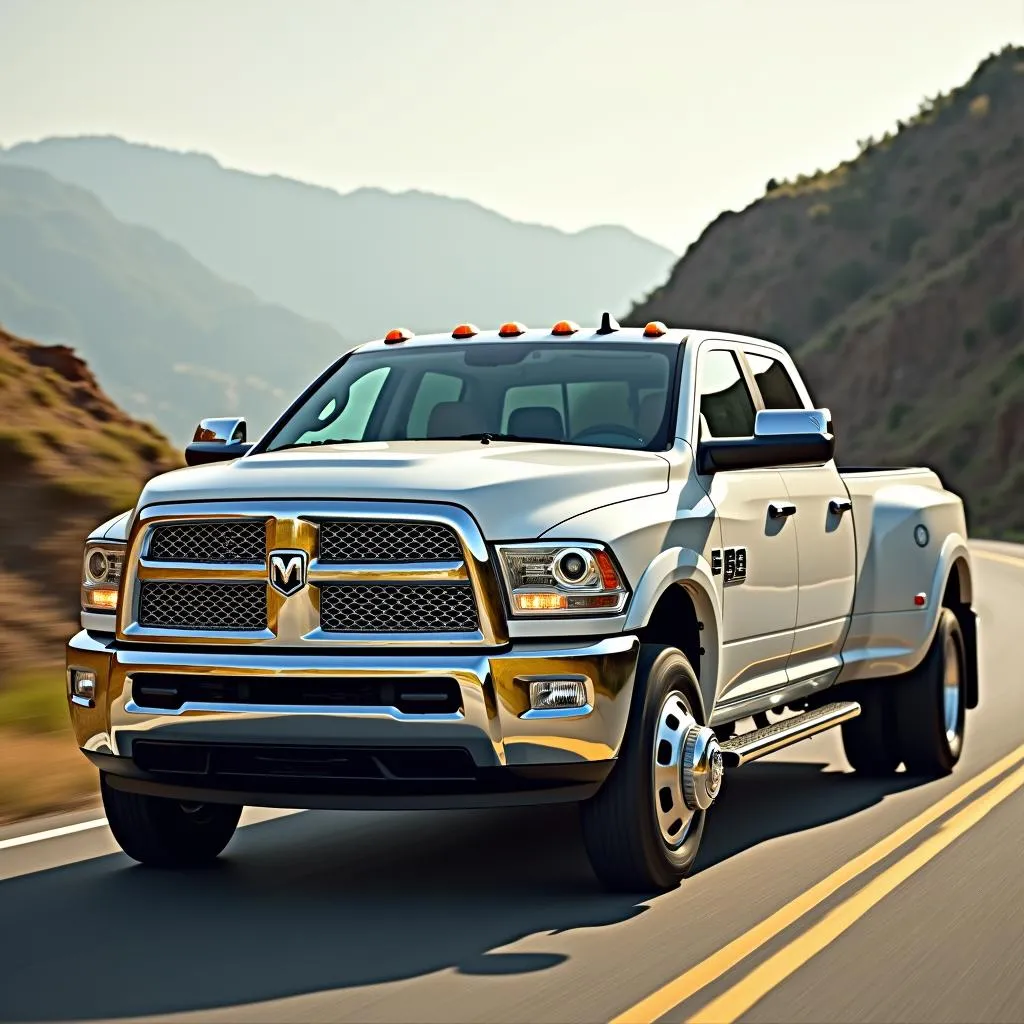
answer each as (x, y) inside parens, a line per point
(369, 540)
(238, 607)
(397, 608)
(239, 541)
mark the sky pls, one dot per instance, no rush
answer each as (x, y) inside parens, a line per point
(654, 114)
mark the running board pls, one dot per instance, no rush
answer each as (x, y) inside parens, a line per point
(752, 745)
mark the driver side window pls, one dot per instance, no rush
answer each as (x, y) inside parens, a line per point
(726, 408)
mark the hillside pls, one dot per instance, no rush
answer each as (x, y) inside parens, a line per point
(171, 341)
(69, 458)
(364, 261)
(898, 281)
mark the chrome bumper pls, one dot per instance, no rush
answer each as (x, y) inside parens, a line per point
(495, 725)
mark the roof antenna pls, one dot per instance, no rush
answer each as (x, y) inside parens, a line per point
(608, 324)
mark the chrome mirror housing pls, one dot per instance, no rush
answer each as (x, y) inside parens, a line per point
(217, 440)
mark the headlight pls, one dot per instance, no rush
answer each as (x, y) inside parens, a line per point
(562, 579)
(101, 575)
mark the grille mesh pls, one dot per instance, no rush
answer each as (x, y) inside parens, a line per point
(352, 540)
(234, 606)
(397, 608)
(235, 542)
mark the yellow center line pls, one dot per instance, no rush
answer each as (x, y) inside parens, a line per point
(729, 1006)
(692, 981)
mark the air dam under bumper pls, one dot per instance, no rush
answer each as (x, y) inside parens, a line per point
(381, 730)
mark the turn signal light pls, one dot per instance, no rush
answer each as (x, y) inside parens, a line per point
(465, 331)
(564, 327)
(609, 577)
(655, 329)
(541, 602)
(397, 335)
(512, 329)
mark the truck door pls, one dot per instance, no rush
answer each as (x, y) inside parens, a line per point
(756, 567)
(824, 534)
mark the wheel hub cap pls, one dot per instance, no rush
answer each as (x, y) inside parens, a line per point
(687, 769)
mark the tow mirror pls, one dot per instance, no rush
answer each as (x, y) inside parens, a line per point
(217, 440)
(782, 437)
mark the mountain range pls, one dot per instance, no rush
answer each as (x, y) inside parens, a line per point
(365, 261)
(897, 280)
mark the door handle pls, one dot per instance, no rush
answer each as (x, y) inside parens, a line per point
(781, 509)
(837, 506)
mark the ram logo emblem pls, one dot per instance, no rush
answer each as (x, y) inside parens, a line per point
(288, 571)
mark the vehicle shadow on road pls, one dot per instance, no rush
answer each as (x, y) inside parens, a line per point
(778, 798)
(318, 902)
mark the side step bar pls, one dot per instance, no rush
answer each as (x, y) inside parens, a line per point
(752, 745)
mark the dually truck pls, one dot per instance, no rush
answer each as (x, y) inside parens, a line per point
(599, 565)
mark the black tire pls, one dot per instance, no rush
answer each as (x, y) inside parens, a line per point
(929, 744)
(620, 827)
(166, 833)
(870, 740)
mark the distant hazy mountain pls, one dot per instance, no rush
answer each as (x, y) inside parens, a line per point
(170, 340)
(365, 261)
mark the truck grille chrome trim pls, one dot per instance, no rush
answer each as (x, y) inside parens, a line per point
(379, 574)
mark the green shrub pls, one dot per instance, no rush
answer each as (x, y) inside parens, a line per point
(971, 338)
(851, 280)
(897, 414)
(904, 231)
(1004, 315)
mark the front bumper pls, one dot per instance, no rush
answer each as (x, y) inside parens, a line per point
(492, 750)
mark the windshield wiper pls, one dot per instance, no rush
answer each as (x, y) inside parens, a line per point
(487, 436)
(314, 444)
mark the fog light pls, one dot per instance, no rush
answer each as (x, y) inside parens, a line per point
(553, 694)
(83, 685)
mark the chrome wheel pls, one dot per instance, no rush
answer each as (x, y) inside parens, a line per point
(952, 692)
(674, 724)
(687, 769)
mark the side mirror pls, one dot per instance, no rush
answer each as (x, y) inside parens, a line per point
(782, 437)
(217, 440)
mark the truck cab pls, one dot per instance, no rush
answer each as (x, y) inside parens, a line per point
(495, 567)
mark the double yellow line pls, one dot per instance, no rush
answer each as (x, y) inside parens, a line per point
(755, 985)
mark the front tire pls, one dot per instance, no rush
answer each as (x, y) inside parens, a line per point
(639, 833)
(167, 833)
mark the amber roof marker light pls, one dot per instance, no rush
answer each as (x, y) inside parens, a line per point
(655, 329)
(512, 329)
(465, 331)
(393, 337)
(564, 327)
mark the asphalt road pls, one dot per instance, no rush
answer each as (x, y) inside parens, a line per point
(494, 916)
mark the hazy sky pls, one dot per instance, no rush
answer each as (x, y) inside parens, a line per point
(657, 115)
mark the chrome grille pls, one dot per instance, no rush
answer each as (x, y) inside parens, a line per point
(239, 607)
(375, 540)
(397, 608)
(239, 541)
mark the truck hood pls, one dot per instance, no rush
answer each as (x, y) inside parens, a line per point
(514, 490)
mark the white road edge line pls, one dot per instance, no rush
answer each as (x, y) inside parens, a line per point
(53, 833)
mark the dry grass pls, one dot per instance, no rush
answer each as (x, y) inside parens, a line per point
(42, 773)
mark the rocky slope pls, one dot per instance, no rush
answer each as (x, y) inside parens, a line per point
(69, 459)
(897, 279)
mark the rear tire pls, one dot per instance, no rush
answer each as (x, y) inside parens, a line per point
(930, 704)
(167, 833)
(624, 834)
(869, 740)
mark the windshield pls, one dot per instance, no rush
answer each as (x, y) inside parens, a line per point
(613, 396)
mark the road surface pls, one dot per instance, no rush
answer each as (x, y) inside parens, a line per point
(820, 896)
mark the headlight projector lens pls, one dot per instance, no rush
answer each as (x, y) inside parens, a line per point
(99, 566)
(572, 568)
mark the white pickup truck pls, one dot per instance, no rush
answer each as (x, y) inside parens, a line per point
(513, 566)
